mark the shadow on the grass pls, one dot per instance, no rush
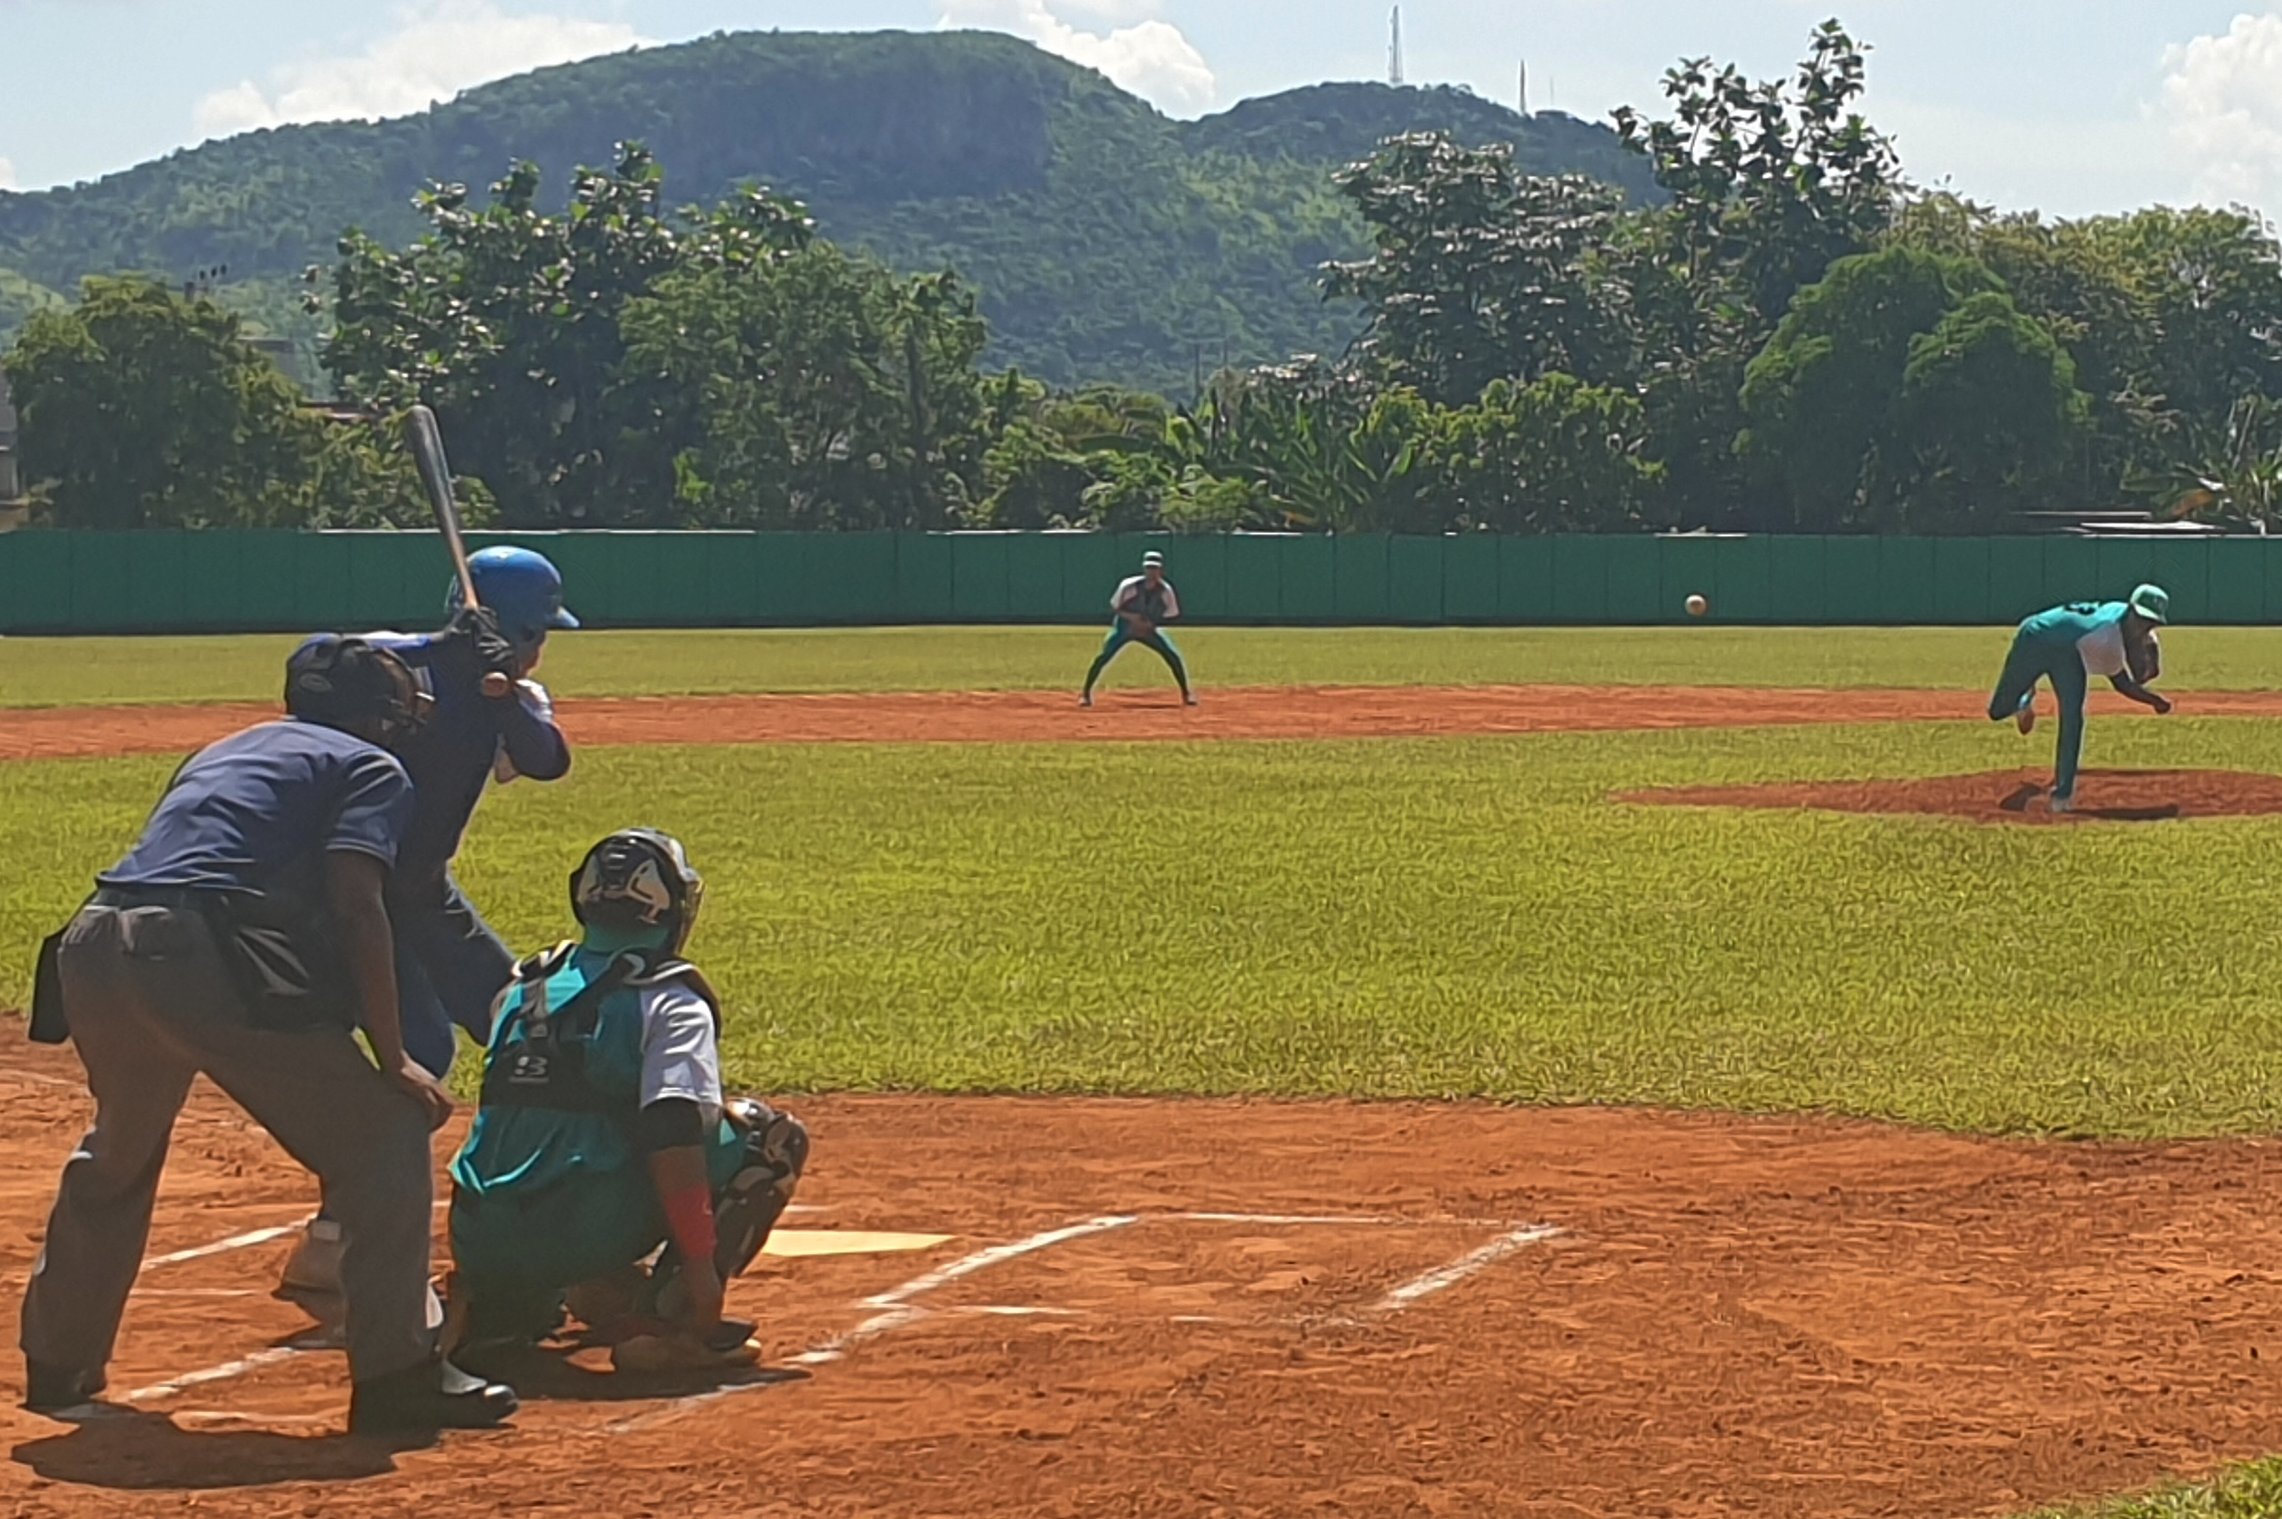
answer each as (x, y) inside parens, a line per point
(137, 1452)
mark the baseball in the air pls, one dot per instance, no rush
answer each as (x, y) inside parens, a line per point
(1697, 606)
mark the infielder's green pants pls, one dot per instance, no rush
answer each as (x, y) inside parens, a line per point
(1155, 639)
(2033, 659)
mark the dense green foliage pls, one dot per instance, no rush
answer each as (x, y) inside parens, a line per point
(142, 408)
(1907, 392)
(1107, 242)
(19, 299)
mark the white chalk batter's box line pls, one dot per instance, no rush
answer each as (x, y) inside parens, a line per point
(898, 1308)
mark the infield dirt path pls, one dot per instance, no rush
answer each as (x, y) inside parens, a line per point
(1270, 712)
(1767, 1317)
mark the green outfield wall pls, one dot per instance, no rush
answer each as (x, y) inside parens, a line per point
(229, 581)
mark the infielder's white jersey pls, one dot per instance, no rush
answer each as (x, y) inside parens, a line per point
(1134, 595)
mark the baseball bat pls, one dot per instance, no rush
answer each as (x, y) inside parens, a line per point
(427, 440)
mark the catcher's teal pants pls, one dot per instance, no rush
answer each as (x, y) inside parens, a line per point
(2036, 656)
(1118, 638)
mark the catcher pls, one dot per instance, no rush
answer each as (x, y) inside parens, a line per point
(602, 1135)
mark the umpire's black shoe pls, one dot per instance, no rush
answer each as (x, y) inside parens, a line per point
(53, 1390)
(431, 1396)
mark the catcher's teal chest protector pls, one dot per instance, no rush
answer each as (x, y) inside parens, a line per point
(555, 1050)
(562, 1080)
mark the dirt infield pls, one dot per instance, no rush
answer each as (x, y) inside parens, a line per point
(1299, 712)
(1223, 1308)
(2005, 796)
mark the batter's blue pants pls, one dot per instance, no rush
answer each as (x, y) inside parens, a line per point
(2033, 659)
(450, 968)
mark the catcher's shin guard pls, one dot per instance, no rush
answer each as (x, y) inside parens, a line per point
(776, 1152)
(747, 1209)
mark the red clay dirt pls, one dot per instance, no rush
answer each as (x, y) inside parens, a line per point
(2004, 796)
(1298, 712)
(1739, 1316)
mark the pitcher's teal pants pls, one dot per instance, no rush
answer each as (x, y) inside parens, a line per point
(1118, 638)
(2036, 656)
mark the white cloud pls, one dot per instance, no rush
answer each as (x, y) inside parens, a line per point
(438, 48)
(1142, 53)
(2223, 98)
(7, 175)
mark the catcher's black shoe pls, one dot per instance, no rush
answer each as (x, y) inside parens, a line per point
(431, 1396)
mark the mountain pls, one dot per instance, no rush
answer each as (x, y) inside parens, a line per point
(1109, 242)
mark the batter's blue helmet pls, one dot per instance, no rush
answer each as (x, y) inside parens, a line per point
(523, 587)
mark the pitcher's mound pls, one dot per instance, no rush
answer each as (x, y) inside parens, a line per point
(2007, 796)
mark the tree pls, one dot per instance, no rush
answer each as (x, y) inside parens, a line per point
(140, 408)
(1907, 392)
(1558, 456)
(816, 391)
(1480, 273)
(1770, 184)
(507, 321)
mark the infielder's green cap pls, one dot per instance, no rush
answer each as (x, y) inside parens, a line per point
(2153, 603)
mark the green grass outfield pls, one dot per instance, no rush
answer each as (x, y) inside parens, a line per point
(53, 672)
(1415, 917)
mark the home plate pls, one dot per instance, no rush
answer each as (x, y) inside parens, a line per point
(795, 1243)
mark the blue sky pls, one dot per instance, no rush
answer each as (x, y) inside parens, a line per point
(2076, 107)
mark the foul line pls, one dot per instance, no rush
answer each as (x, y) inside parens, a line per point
(244, 1241)
(221, 1373)
(896, 1310)
(1331, 1220)
(1445, 1277)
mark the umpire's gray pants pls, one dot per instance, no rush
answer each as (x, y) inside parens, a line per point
(151, 1005)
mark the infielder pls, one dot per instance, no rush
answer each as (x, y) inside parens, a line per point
(244, 938)
(2068, 645)
(450, 965)
(603, 1134)
(1142, 605)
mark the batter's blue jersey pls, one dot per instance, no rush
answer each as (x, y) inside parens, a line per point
(455, 755)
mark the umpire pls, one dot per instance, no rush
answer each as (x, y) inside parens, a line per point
(244, 938)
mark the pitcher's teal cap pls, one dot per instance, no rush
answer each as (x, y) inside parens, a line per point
(2153, 603)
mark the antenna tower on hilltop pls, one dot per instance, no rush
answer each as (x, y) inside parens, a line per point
(1525, 87)
(1394, 52)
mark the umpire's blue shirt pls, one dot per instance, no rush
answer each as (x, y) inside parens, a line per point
(263, 807)
(452, 757)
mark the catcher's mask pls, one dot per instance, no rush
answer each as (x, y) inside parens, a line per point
(638, 881)
(356, 686)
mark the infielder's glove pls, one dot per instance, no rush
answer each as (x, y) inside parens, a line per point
(480, 647)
